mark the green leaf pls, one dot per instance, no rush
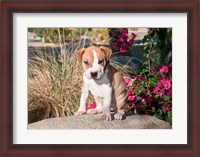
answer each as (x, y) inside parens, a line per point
(142, 89)
(146, 55)
(145, 84)
(153, 109)
(157, 115)
(145, 63)
(166, 97)
(144, 71)
(160, 102)
(169, 114)
(136, 90)
(153, 81)
(146, 47)
(149, 74)
(169, 117)
(160, 112)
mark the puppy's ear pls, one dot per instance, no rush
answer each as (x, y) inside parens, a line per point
(79, 54)
(107, 52)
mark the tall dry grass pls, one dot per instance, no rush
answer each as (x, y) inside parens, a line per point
(53, 86)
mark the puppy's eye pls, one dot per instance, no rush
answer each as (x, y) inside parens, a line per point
(101, 61)
(86, 62)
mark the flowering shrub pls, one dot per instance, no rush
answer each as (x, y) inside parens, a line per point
(120, 41)
(151, 92)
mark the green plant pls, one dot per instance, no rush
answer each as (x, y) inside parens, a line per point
(158, 46)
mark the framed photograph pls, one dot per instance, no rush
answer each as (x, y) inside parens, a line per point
(52, 48)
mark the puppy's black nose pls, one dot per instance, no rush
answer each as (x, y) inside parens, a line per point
(93, 74)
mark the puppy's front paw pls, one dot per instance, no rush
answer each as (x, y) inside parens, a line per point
(118, 116)
(79, 113)
(92, 111)
(106, 116)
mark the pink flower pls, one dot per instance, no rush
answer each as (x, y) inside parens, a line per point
(164, 69)
(165, 108)
(169, 92)
(123, 48)
(148, 112)
(158, 90)
(132, 97)
(134, 106)
(130, 91)
(143, 100)
(127, 80)
(149, 99)
(137, 86)
(166, 84)
(148, 92)
(142, 104)
(132, 40)
(159, 67)
(158, 87)
(162, 76)
(125, 33)
(92, 105)
(125, 30)
(161, 93)
(121, 40)
(150, 88)
(140, 78)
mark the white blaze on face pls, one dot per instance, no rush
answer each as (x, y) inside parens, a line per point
(96, 67)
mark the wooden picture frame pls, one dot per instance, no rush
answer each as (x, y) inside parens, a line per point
(191, 7)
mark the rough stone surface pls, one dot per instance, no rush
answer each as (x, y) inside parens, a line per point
(94, 122)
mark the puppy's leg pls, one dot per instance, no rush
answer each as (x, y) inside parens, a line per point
(106, 105)
(121, 103)
(82, 107)
(98, 108)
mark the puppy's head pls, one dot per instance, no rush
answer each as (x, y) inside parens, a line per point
(94, 60)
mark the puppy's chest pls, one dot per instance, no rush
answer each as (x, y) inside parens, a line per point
(99, 88)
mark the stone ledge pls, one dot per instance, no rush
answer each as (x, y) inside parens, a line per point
(93, 122)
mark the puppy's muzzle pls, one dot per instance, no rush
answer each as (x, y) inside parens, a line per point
(93, 74)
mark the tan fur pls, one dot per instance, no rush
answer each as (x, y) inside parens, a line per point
(107, 52)
(119, 96)
(86, 54)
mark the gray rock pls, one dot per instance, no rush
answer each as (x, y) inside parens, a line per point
(94, 122)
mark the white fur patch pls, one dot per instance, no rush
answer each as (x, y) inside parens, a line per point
(96, 67)
(100, 89)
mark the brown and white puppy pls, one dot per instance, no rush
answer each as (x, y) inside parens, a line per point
(104, 82)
